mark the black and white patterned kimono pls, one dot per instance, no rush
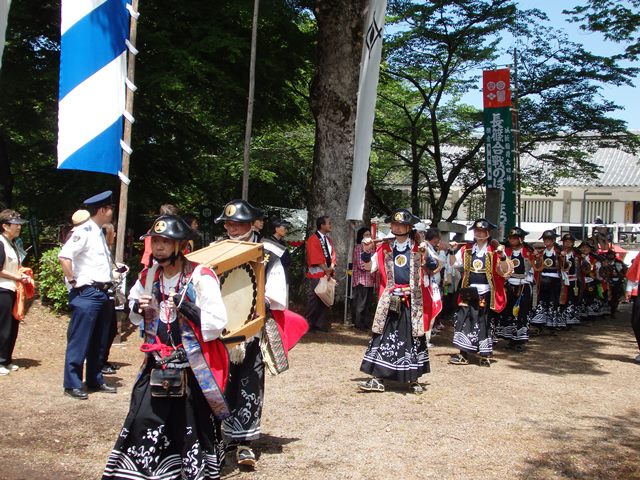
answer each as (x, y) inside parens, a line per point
(570, 293)
(592, 297)
(398, 351)
(513, 323)
(176, 438)
(473, 323)
(547, 312)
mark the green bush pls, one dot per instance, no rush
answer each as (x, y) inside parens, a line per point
(53, 291)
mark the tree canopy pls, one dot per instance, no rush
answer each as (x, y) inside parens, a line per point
(425, 130)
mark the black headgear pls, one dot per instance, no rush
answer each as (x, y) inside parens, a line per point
(239, 211)
(548, 234)
(280, 222)
(518, 232)
(482, 223)
(588, 244)
(403, 216)
(172, 227)
(568, 236)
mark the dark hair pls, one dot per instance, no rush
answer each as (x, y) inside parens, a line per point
(431, 233)
(360, 234)
(94, 210)
(321, 221)
(189, 218)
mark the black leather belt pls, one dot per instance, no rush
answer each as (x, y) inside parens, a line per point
(102, 286)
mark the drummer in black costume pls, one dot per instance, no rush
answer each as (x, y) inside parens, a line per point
(548, 265)
(245, 387)
(513, 321)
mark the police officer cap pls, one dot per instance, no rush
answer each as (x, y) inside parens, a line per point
(548, 234)
(280, 222)
(240, 211)
(518, 232)
(403, 216)
(172, 227)
(99, 200)
(568, 236)
(482, 223)
(11, 217)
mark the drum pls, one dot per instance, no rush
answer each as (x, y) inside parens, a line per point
(240, 269)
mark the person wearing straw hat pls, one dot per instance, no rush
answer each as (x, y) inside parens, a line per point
(10, 262)
(397, 350)
(173, 428)
(87, 266)
(482, 296)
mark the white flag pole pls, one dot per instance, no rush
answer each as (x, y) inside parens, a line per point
(4, 18)
(126, 139)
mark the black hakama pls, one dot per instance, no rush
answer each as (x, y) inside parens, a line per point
(395, 354)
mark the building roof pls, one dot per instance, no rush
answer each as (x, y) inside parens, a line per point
(619, 169)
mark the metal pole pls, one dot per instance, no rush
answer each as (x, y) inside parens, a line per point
(252, 81)
(124, 187)
(584, 201)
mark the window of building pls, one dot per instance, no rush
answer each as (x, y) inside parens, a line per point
(536, 210)
(598, 208)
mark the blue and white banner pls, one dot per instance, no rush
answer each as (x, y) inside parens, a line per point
(93, 69)
(4, 15)
(366, 112)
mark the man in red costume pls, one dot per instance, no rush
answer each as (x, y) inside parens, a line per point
(482, 296)
(631, 294)
(398, 349)
(321, 262)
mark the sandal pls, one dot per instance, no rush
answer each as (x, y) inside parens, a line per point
(372, 385)
(245, 456)
(416, 388)
(458, 360)
(485, 362)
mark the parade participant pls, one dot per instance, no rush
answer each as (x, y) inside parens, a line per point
(278, 260)
(173, 428)
(192, 245)
(257, 226)
(321, 262)
(165, 209)
(617, 272)
(433, 267)
(571, 281)
(10, 276)
(362, 283)
(245, 386)
(548, 264)
(86, 263)
(631, 295)
(398, 349)
(590, 270)
(482, 295)
(513, 320)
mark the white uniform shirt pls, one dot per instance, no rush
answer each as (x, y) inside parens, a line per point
(89, 255)
(213, 313)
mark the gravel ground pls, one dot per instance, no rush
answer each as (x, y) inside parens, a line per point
(568, 408)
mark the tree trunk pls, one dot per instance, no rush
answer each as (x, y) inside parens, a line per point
(6, 178)
(333, 103)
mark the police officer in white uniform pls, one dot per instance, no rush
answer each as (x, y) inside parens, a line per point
(86, 263)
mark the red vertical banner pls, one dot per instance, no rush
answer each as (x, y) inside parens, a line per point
(496, 90)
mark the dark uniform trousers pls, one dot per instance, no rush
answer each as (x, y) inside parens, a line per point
(91, 315)
(317, 313)
(635, 317)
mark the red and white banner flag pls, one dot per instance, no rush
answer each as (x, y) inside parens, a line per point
(367, 93)
(4, 16)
